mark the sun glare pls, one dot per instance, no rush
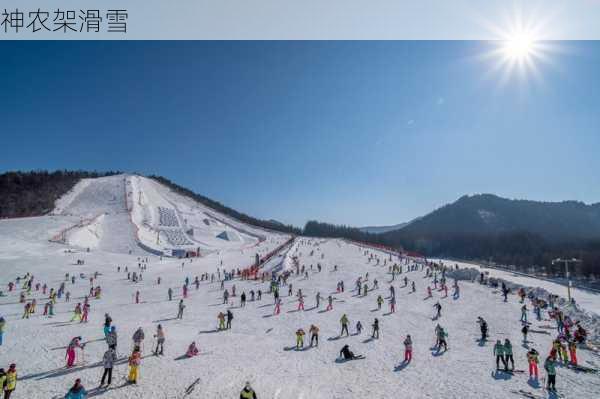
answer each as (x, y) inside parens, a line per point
(519, 46)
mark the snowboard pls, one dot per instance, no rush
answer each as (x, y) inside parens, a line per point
(191, 387)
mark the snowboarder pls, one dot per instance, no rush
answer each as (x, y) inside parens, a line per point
(347, 354)
(441, 337)
(192, 350)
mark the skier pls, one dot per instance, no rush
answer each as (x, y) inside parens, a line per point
(111, 338)
(329, 303)
(314, 335)
(138, 337)
(483, 327)
(318, 299)
(192, 350)
(77, 391)
(524, 313)
(160, 340)
(379, 302)
(573, 352)
(524, 331)
(375, 326)
(243, 299)
(170, 293)
(70, 354)
(301, 303)
(229, 318)
(180, 308)
(393, 304)
(277, 306)
(2, 325)
(413, 286)
(550, 367)
(358, 327)
(248, 392)
(108, 361)
(107, 321)
(438, 308)
(221, 318)
(10, 384)
(499, 353)
(300, 338)
(344, 322)
(407, 349)
(533, 360)
(508, 355)
(134, 365)
(429, 295)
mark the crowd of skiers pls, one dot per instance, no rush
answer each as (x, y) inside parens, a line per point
(569, 333)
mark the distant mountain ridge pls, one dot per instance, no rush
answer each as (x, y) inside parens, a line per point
(490, 214)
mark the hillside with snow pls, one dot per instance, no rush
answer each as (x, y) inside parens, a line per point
(106, 229)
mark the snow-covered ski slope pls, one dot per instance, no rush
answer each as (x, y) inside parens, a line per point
(126, 213)
(260, 346)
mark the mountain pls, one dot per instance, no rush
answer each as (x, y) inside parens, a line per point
(382, 229)
(490, 214)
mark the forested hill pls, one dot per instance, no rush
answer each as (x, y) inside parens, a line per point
(33, 193)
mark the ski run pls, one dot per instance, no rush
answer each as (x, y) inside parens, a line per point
(118, 258)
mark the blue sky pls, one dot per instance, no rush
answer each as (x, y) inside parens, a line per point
(361, 133)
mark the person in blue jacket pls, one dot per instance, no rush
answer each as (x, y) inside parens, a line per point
(77, 391)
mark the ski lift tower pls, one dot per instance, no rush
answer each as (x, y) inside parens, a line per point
(566, 263)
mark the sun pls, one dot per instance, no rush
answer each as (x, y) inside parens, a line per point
(519, 47)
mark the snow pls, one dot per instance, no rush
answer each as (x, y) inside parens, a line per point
(258, 347)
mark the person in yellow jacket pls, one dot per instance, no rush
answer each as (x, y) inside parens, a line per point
(2, 378)
(221, 318)
(300, 338)
(11, 381)
(134, 365)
